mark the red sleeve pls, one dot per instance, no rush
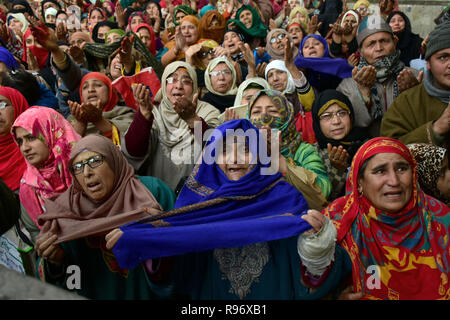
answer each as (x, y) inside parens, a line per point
(137, 138)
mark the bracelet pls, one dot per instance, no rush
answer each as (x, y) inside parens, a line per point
(60, 62)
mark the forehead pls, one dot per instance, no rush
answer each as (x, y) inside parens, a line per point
(397, 16)
(439, 53)
(386, 158)
(5, 99)
(334, 107)
(83, 156)
(377, 36)
(312, 40)
(104, 28)
(221, 66)
(181, 72)
(186, 23)
(275, 70)
(93, 81)
(263, 101)
(143, 31)
(20, 132)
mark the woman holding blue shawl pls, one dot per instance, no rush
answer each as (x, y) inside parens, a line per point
(237, 229)
(322, 71)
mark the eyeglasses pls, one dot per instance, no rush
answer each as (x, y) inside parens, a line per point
(222, 72)
(279, 37)
(362, 9)
(328, 116)
(184, 81)
(204, 54)
(93, 162)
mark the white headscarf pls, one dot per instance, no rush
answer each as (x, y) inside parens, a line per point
(279, 65)
(212, 64)
(353, 13)
(244, 85)
(21, 18)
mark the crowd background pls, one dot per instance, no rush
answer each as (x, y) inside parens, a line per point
(99, 105)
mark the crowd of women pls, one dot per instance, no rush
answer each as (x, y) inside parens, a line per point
(111, 111)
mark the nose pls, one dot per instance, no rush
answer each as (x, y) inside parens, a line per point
(25, 147)
(87, 171)
(336, 119)
(393, 179)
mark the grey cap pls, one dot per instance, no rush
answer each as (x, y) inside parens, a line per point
(438, 39)
(370, 25)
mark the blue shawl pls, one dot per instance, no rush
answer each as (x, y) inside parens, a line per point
(320, 68)
(215, 212)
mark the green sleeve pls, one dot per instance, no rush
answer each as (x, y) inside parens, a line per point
(160, 190)
(308, 158)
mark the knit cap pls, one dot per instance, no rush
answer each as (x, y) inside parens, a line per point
(370, 25)
(438, 39)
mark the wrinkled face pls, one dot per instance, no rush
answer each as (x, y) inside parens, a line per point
(350, 19)
(276, 42)
(376, 46)
(33, 150)
(6, 116)
(189, 32)
(135, 21)
(221, 78)
(152, 10)
(50, 18)
(16, 25)
(145, 36)
(439, 65)
(115, 69)
(335, 122)
(102, 32)
(113, 37)
(95, 17)
(313, 48)
(277, 79)
(397, 23)
(248, 95)
(94, 90)
(297, 35)
(235, 160)
(387, 182)
(97, 183)
(263, 106)
(231, 42)
(246, 18)
(77, 42)
(180, 85)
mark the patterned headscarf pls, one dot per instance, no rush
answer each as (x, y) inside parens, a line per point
(54, 177)
(409, 249)
(290, 137)
(429, 163)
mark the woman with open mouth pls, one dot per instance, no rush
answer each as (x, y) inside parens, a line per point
(99, 111)
(337, 137)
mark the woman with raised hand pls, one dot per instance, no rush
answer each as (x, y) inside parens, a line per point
(337, 137)
(165, 134)
(105, 194)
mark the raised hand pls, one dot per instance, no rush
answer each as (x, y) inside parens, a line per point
(112, 238)
(141, 95)
(314, 24)
(315, 219)
(61, 32)
(338, 157)
(120, 15)
(406, 79)
(365, 78)
(46, 248)
(76, 111)
(93, 113)
(31, 61)
(353, 60)
(76, 53)
(45, 36)
(442, 125)
(185, 108)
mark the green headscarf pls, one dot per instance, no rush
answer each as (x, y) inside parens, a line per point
(258, 29)
(183, 8)
(120, 32)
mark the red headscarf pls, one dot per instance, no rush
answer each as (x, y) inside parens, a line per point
(409, 249)
(152, 47)
(112, 98)
(39, 53)
(12, 163)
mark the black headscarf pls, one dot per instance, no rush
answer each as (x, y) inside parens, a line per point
(52, 1)
(110, 24)
(9, 208)
(355, 138)
(408, 43)
(24, 3)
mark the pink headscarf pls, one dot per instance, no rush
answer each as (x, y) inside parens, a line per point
(152, 47)
(54, 177)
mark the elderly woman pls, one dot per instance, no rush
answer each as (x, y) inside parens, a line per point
(433, 170)
(248, 89)
(104, 195)
(12, 163)
(235, 229)
(98, 111)
(392, 231)
(45, 140)
(271, 110)
(187, 34)
(220, 80)
(275, 46)
(165, 134)
(322, 71)
(337, 137)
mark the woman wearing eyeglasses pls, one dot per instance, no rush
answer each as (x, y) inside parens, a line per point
(45, 139)
(275, 45)
(160, 140)
(220, 80)
(337, 138)
(105, 194)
